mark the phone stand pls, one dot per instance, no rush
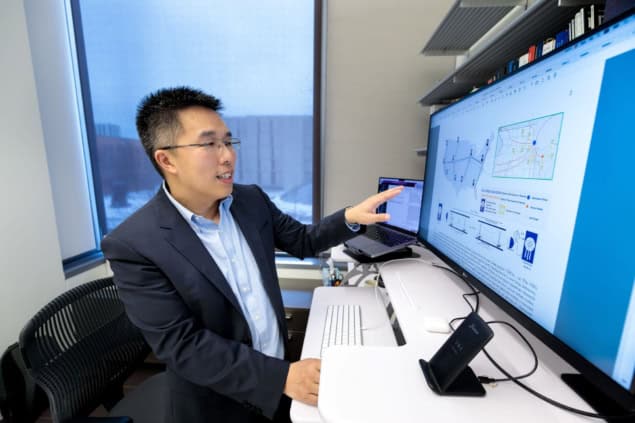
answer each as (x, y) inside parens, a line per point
(447, 372)
(466, 383)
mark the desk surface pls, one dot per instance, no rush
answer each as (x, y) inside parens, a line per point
(381, 382)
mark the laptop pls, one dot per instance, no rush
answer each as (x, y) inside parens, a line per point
(401, 230)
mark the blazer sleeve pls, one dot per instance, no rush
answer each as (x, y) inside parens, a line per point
(302, 240)
(178, 338)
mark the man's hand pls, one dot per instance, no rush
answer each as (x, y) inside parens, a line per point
(303, 381)
(364, 212)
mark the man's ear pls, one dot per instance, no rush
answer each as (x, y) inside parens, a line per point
(164, 160)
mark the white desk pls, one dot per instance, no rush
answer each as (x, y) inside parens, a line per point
(382, 382)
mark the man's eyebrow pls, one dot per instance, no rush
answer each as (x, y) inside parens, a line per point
(211, 134)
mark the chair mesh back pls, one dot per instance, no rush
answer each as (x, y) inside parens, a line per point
(80, 346)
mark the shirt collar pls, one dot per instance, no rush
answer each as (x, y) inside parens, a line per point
(187, 214)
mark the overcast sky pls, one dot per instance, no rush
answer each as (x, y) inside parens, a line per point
(254, 55)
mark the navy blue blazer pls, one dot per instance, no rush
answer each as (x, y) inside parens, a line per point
(176, 294)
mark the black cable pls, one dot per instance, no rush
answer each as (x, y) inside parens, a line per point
(474, 292)
(515, 379)
(556, 403)
(485, 379)
(509, 377)
(475, 308)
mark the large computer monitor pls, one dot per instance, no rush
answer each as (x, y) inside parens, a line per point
(530, 194)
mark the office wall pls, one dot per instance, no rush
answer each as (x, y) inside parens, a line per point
(31, 271)
(30, 261)
(374, 79)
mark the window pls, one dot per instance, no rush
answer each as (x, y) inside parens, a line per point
(259, 58)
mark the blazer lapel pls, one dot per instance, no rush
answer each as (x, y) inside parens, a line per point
(181, 236)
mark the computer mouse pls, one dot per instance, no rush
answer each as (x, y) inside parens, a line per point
(436, 324)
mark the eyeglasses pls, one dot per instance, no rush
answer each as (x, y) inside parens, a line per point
(232, 144)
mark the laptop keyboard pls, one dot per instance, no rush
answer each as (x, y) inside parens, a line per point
(343, 326)
(389, 238)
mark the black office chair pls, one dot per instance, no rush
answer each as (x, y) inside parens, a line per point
(21, 400)
(80, 348)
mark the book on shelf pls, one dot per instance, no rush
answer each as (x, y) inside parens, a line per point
(586, 19)
(562, 38)
(531, 53)
(548, 45)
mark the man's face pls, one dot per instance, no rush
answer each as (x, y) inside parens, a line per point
(202, 172)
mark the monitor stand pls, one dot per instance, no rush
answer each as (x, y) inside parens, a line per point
(597, 399)
(403, 253)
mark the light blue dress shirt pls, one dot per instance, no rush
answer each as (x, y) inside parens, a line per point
(228, 247)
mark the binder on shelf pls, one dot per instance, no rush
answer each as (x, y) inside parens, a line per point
(562, 38)
(512, 65)
(548, 46)
(531, 53)
(579, 23)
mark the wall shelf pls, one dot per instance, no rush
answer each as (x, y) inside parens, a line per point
(421, 151)
(464, 25)
(540, 20)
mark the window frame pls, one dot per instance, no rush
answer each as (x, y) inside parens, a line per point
(83, 261)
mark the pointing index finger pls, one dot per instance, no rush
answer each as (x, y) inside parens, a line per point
(392, 192)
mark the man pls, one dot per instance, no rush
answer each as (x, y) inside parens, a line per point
(195, 268)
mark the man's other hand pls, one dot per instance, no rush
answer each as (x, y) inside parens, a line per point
(364, 213)
(303, 381)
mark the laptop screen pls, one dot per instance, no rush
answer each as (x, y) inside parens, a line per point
(405, 208)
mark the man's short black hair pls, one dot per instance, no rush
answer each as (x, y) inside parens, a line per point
(157, 116)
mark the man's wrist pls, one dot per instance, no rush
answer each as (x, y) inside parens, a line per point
(347, 216)
(353, 226)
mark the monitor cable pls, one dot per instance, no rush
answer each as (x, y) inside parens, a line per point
(544, 397)
(508, 377)
(516, 379)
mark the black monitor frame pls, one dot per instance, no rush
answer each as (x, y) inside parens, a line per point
(617, 400)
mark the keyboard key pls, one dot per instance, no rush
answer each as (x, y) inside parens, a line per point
(342, 326)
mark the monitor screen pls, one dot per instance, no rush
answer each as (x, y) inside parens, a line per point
(529, 192)
(405, 208)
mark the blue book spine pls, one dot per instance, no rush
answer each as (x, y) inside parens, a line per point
(562, 38)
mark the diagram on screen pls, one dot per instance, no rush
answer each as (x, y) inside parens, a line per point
(463, 162)
(491, 235)
(523, 244)
(458, 221)
(529, 247)
(528, 150)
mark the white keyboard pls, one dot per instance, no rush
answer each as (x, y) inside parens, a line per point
(343, 326)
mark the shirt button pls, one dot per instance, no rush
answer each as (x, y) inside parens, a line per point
(257, 317)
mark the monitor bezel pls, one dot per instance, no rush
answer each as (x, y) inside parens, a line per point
(625, 397)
